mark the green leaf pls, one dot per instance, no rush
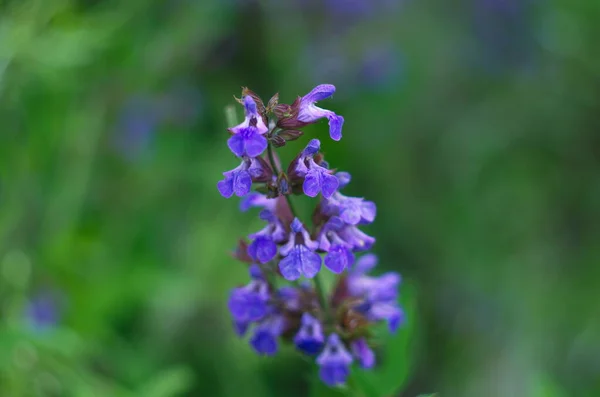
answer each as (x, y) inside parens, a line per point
(395, 356)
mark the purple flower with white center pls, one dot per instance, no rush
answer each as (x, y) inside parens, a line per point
(299, 256)
(310, 338)
(309, 112)
(337, 233)
(334, 361)
(380, 294)
(264, 340)
(249, 303)
(263, 247)
(359, 240)
(317, 179)
(237, 181)
(361, 350)
(352, 210)
(247, 138)
(339, 252)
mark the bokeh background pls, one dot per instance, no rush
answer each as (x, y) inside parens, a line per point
(473, 124)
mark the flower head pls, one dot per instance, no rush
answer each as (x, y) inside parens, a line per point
(247, 138)
(309, 112)
(334, 361)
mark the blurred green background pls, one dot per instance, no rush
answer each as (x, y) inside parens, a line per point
(473, 124)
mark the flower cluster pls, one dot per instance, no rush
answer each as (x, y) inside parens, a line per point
(280, 304)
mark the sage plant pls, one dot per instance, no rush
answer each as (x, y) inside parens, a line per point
(284, 300)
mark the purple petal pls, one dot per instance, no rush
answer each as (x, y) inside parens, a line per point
(363, 352)
(329, 184)
(290, 267)
(369, 211)
(312, 148)
(242, 182)
(338, 258)
(236, 144)
(262, 249)
(335, 126)
(334, 374)
(312, 183)
(297, 226)
(311, 262)
(365, 264)
(264, 342)
(225, 187)
(320, 92)
(250, 106)
(344, 178)
(255, 145)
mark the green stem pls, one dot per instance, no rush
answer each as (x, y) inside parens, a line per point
(317, 281)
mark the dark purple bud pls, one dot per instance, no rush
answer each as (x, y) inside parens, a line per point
(277, 141)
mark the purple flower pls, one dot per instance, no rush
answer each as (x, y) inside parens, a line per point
(317, 179)
(352, 210)
(339, 258)
(239, 180)
(363, 353)
(263, 248)
(310, 338)
(299, 258)
(337, 233)
(249, 303)
(309, 112)
(334, 361)
(247, 138)
(264, 340)
(380, 294)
